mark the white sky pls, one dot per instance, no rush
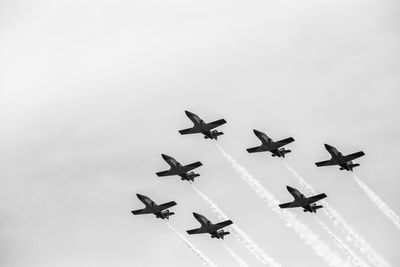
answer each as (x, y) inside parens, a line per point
(92, 92)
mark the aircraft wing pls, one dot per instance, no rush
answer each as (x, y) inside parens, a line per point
(325, 163)
(197, 231)
(315, 198)
(284, 141)
(192, 166)
(166, 173)
(142, 211)
(354, 156)
(167, 205)
(215, 124)
(289, 205)
(223, 224)
(256, 149)
(189, 131)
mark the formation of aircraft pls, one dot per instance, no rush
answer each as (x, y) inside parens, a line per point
(208, 227)
(199, 126)
(276, 148)
(337, 158)
(160, 211)
(300, 201)
(178, 169)
(267, 144)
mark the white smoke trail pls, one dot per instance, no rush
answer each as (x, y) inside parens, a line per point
(206, 261)
(350, 254)
(305, 233)
(351, 235)
(235, 256)
(243, 238)
(382, 206)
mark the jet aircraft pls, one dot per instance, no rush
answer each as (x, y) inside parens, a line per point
(209, 227)
(307, 203)
(267, 144)
(177, 169)
(345, 162)
(152, 208)
(201, 127)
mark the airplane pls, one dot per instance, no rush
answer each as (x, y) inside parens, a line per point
(209, 227)
(267, 144)
(307, 203)
(345, 162)
(152, 208)
(201, 127)
(177, 169)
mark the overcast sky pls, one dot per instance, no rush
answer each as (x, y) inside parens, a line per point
(92, 92)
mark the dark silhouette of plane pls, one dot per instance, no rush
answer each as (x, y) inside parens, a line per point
(177, 169)
(307, 203)
(152, 208)
(267, 144)
(345, 162)
(201, 127)
(209, 227)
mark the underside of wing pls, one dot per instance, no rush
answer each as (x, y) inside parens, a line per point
(189, 131)
(223, 224)
(215, 124)
(142, 211)
(315, 198)
(167, 205)
(196, 231)
(166, 173)
(354, 156)
(192, 166)
(284, 141)
(289, 205)
(325, 163)
(256, 149)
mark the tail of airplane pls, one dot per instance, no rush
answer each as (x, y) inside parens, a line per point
(351, 166)
(221, 234)
(214, 135)
(167, 214)
(282, 152)
(313, 208)
(192, 175)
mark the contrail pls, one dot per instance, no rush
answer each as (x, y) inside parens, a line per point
(350, 254)
(351, 235)
(243, 238)
(305, 233)
(206, 261)
(235, 256)
(382, 206)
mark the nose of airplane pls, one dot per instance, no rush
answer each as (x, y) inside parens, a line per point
(139, 196)
(188, 113)
(289, 188)
(164, 156)
(327, 146)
